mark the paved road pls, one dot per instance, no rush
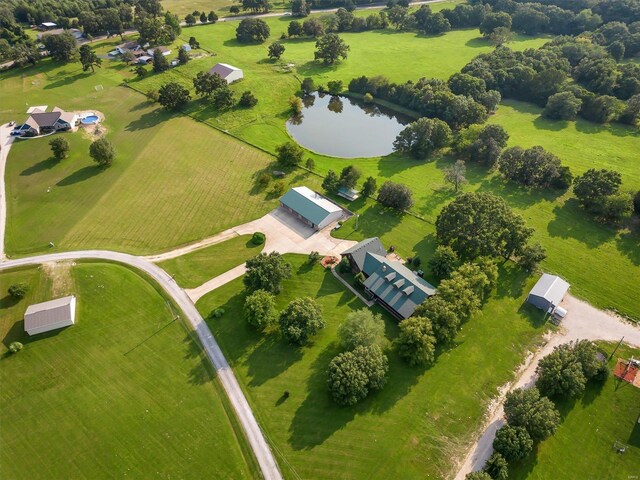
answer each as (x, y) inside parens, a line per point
(242, 409)
(5, 144)
(582, 322)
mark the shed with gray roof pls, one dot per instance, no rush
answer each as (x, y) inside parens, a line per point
(548, 292)
(314, 209)
(229, 73)
(394, 286)
(51, 315)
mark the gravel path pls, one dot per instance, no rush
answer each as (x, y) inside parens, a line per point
(582, 322)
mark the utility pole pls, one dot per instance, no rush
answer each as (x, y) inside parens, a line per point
(616, 349)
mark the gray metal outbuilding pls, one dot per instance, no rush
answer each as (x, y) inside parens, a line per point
(548, 292)
(51, 315)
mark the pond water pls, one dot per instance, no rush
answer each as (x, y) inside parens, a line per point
(344, 127)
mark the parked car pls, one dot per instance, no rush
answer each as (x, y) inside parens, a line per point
(12, 123)
(15, 133)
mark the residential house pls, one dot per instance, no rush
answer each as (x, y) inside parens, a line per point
(356, 254)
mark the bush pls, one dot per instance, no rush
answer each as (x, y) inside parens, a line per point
(416, 342)
(18, 290)
(497, 467)
(248, 100)
(259, 309)
(289, 154)
(513, 443)
(258, 238)
(362, 328)
(311, 165)
(395, 195)
(301, 319)
(352, 375)
(217, 313)
(263, 180)
(153, 95)
(314, 257)
(368, 98)
(277, 189)
(15, 347)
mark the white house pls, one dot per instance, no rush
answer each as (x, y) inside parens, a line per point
(310, 207)
(229, 73)
(51, 315)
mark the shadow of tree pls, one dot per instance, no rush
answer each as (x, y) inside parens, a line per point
(542, 123)
(202, 372)
(46, 164)
(66, 81)
(269, 359)
(149, 119)
(629, 244)
(571, 221)
(511, 280)
(84, 173)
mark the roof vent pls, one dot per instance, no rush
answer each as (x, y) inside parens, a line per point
(391, 276)
(399, 283)
(384, 268)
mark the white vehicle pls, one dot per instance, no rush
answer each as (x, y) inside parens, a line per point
(559, 313)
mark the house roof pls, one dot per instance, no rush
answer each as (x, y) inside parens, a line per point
(551, 288)
(48, 313)
(224, 69)
(309, 204)
(44, 119)
(396, 285)
(49, 24)
(359, 251)
(348, 193)
(68, 117)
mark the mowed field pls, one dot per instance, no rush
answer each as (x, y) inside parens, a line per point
(125, 392)
(583, 446)
(416, 427)
(174, 180)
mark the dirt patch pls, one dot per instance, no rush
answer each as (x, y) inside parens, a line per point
(60, 275)
(96, 130)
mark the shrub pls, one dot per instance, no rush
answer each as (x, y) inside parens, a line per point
(18, 290)
(247, 100)
(314, 257)
(301, 319)
(310, 164)
(263, 180)
(153, 95)
(362, 328)
(217, 313)
(258, 238)
(352, 375)
(277, 189)
(259, 309)
(15, 347)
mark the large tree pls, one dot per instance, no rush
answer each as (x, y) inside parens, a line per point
(289, 154)
(513, 443)
(61, 47)
(594, 186)
(160, 62)
(102, 152)
(538, 415)
(330, 48)
(444, 320)
(252, 30)
(59, 147)
(534, 167)
(266, 272)
(482, 224)
(276, 49)
(423, 137)
(259, 309)
(562, 106)
(352, 375)
(301, 319)
(361, 328)
(395, 195)
(172, 96)
(88, 58)
(416, 342)
(349, 176)
(443, 261)
(206, 83)
(560, 373)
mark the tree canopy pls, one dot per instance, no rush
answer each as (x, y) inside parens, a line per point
(102, 152)
(513, 443)
(395, 195)
(266, 271)
(416, 342)
(536, 414)
(301, 319)
(361, 328)
(330, 48)
(172, 96)
(423, 137)
(259, 309)
(353, 375)
(252, 30)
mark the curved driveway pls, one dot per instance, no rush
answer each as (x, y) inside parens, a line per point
(241, 407)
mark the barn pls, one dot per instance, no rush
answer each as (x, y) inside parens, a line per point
(548, 292)
(229, 73)
(310, 207)
(51, 315)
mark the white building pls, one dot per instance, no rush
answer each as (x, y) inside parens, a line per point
(314, 209)
(229, 73)
(51, 315)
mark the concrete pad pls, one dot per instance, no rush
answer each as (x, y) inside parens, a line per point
(41, 108)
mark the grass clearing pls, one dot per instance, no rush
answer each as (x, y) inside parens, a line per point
(415, 427)
(583, 445)
(193, 269)
(123, 393)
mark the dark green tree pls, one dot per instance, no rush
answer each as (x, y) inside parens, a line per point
(190, 20)
(247, 100)
(562, 106)
(259, 309)
(102, 152)
(160, 62)
(416, 342)
(492, 21)
(308, 86)
(276, 49)
(300, 8)
(443, 261)
(206, 83)
(560, 373)
(479, 475)
(423, 137)
(252, 30)
(513, 443)
(62, 48)
(89, 59)
(497, 467)
(331, 182)
(369, 187)
(330, 48)
(59, 147)
(395, 195)
(266, 272)
(531, 256)
(538, 415)
(212, 17)
(353, 375)
(301, 319)
(173, 96)
(222, 97)
(443, 318)
(361, 328)
(313, 27)
(18, 290)
(594, 186)
(203, 17)
(295, 29)
(183, 56)
(289, 154)
(349, 176)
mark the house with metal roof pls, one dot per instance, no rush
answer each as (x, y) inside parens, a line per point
(548, 292)
(314, 209)
(356, 254)
(394, 286)
(51, 315)
(229, 73)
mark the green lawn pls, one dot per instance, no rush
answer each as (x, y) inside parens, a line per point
(174, 180)
(195, 268)
(126, 392)
(416, 427)
(583, 445)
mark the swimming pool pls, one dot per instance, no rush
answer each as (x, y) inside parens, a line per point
(90, 120)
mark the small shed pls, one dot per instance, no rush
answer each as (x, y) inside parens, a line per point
(314, 209)
(548, 292)
(51, 315)
(348, 193)
(229, 73)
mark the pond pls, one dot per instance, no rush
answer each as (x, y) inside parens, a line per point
(344, 127)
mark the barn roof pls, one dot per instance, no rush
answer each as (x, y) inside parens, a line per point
(550, 287)
(48, 313)
(309, 204)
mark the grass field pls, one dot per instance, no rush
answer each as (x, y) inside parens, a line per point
(414, 428)
(195, 268)
(583, 445)
(174, 180)
(126, 392)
